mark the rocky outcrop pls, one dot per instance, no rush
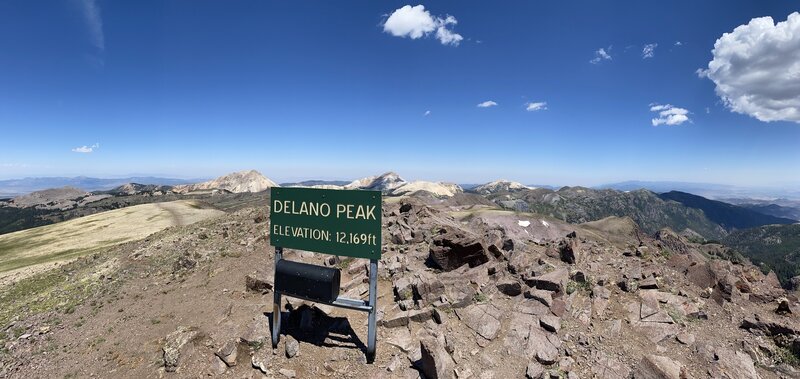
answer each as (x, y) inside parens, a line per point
(453, 248)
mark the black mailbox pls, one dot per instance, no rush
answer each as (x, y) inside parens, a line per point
(307, 281)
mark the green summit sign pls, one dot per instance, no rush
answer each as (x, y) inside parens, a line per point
(337, 222)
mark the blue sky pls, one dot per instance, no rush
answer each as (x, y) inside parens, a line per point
(330, 90)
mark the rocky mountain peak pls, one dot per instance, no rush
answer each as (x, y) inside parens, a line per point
(237, 182)
(385, 182)
(499, 186)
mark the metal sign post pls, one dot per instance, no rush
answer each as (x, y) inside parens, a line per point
(338, 222)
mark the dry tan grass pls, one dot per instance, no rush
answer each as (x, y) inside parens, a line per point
(26, 252)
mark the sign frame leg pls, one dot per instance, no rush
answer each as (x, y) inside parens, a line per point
(373, 296)
(276, 307)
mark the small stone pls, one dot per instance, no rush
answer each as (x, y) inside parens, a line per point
(218, 367)
(449, 344)
(547, 356)
(439, 316)
(550, 323)
(648, 284)
(783, 307)
(542, 296)
(292, 347)
(260, 360)
(685, 338)
(534, 370)
(229, 352)
(287, 373)
(257, 283)
(463, 373)
(403, 289)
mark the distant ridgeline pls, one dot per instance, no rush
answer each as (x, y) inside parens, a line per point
(729, 216)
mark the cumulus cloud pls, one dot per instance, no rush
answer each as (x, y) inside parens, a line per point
(487, 104)
(416, 22)
(535, 106)
(601, 55)
(669, 114)
(86, 149)
(649, 50)
(756, 69)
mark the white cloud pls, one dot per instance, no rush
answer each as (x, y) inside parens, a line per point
(678, 43)
(487, 104)
(94, 21)
(600, 55)
(427, 113)
(533, 107)
(669, 114)
(756, 69)
(415, 22)
(86, 149)
(649, 50)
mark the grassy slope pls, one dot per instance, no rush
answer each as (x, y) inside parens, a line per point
(63, 241)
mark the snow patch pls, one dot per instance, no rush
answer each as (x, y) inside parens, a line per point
(523, 224)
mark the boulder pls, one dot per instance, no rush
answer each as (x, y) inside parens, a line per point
(428, 288)
(568, 250)
(554, 281)
(455, 248)
(509, 287)
(403, 289)
(436, 363)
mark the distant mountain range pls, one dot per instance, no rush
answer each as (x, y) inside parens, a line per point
(16, 187)
(312, 183)
(729, 216)
(709, 190)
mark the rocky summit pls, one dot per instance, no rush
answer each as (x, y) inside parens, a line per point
(465, 291)
(237, 182)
